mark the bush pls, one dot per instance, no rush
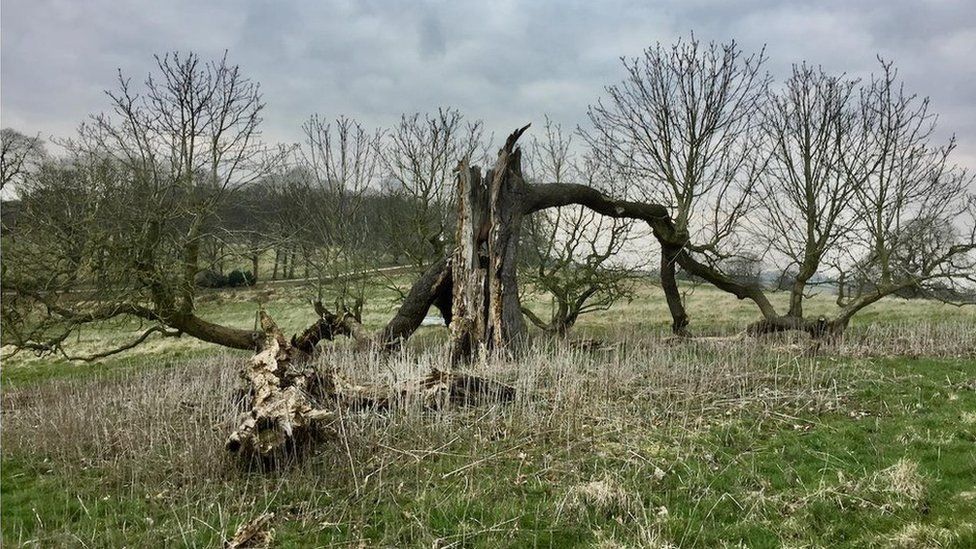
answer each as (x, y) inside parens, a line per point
(238, 278)
(211, 279)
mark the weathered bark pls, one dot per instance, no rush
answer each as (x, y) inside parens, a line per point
(469, 308)
(430, 289)
(558, 325)
(235, 338)
(807, 269)
(506, 326)
(721, 281)
(679, 318)
(818, 328)
(673, 242)
(796, 298)
(829, 327)
(486, 312)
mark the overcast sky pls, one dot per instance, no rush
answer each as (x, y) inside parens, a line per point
(506, 62)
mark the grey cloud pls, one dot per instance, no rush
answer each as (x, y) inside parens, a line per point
(507, 62)
(432, 41)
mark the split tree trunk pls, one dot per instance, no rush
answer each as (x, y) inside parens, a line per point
(469, 307)
(486, 312)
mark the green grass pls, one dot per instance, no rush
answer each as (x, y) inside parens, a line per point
(693, 445)
(711, 312)
(811, 479)
(821, 480)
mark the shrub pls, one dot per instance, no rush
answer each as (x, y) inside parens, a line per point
(211, 279)
(238, 278)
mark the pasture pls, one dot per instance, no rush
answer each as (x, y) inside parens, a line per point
(626, 438)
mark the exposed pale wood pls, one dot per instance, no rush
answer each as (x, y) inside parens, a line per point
(253, 534)
(469, 266)
(290, 402)
(281, 409)
(486, 310)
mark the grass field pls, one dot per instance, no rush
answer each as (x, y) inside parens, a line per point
(640, 442)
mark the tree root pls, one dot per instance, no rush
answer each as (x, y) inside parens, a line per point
(290, 402)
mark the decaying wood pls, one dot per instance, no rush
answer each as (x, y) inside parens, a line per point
(486, 312)
(436, 391)
(290, 402)
(253, 534)
(469, 266)
(432, 288)
(506, 325)
(282, 410)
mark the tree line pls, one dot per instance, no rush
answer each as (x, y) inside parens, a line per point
(825, 178)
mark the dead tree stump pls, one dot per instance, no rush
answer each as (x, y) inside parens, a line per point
(486, 313)
(279, 390)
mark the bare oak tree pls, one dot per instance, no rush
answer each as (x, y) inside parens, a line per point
(20, 157)
(904, 211)
(571, 253)
(420, 155)
(339, 163)
(152, 173)
(915, 208)
(805, 193)
(682, 129)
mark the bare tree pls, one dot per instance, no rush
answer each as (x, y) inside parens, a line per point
(570, 253)
(682, 129)
(805, 195)
(20, 157)
(916, 212)
(904, 211)
(152, 173)
(838, 170)
(339, 164)
(420, 155)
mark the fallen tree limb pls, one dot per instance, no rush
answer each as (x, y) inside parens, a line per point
(290, 402)
(281, 409)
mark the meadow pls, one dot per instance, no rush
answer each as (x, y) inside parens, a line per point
(622, 437)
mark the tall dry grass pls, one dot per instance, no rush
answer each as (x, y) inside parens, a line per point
(168, 424)
(158, 432)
